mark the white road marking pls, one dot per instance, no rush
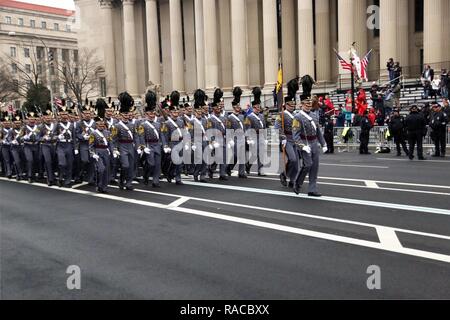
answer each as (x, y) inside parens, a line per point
(352, 166)
(388, 238)
(76, 186)
(418, 161)
(386, 245)
(371, 184)
(178, 202)
(324, 198)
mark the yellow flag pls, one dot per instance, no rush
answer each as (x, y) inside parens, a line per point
(279, 79)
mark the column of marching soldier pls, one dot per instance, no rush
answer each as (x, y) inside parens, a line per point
(108, 143)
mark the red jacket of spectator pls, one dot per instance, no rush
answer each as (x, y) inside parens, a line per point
(371, 116)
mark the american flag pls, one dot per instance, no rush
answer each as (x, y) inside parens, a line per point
(344, 64)
(58, 102)
(364, 64)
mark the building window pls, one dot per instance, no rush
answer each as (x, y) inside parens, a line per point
(28, 68)
(14, 68)
(44, 25)
(8, 20)
(13, 52)
(40, 52)
(39, 69)
(103, 86)
(33, 23)
(26, 52)
(29, 84)
(75, 72)
(75, 55)
(20, 21)
(418, 15)
(52, 70)
(68, 27)
(56, 26)
(16, 85)
(65, 55)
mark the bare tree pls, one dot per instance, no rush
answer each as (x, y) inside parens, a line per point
(8, 89)
(81, 76)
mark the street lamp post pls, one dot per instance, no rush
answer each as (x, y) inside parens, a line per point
(49, 86)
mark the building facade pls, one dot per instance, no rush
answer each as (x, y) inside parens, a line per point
(28, 34)
(189, 44)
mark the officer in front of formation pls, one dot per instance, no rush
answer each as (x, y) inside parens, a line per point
(283, 124)
(416, 130)
(438, 124)
(308, 138)
(397, 129)
(100, 146)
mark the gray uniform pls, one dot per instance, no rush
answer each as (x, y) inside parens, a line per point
(258, 123)
(150, 137)
(291, 151)
(219, 123)
(5, 145)
(126, 141)
(306, 132)
(236, 123)
(83, 131)
(65, 147)
(100, 145)
(17, 151)
(48, 149)
(31, 139)
(198, 127)
(173, 131)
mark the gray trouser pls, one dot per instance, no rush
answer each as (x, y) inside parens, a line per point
(86, 162)
(102, 167)
(7, 160)
(48, 152)
(292, 158)
(310, 167)
(152, 163)
(32, 157)
(64, 150)
(16, 152)
(127, 163)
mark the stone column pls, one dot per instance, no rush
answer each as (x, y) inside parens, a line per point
(403, 34)
(154, 71)
(176, 43)
(211, 56)
(346, 29)
(433, 41)
(108, 48)
(199, 43)
(239, 43)
(270, 43)
(333, 39)
(190, 74)
(388, 33)
(224, 47)
(305, 38)
(360, 13)
(129, 35)
(289, 40)
(323, 48)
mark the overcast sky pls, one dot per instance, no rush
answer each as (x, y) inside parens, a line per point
(66, 4)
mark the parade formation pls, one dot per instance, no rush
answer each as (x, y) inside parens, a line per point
(115, 142)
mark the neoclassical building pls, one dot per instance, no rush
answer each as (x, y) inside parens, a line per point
(189, 44)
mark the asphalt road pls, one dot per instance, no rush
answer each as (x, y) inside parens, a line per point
(250, 239)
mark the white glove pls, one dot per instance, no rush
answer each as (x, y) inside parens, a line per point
(216, 145)
(76, 152)
(116, 153)
(186, 147)
(147, 150)
(211, 146)
(205, 138)
(307, 149)
(266, 142)
(194, 147)
(86, 137)
(231, 144)
(167, 150)
(61, 137)
(324, 149)
(15, 143)
(250, 142)
(139, 151)
(95, 157)
(283, 143)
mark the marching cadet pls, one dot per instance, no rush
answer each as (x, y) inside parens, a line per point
(65, 148)
(256, 121)
(5, 144)
(284, 123)
(48, 145)
(125, 142)
(17, 146)
(31, 138)
(110, 122)
(151, 141)
(100, 151)
(438, 124)
(236, 123)
(84, 128)
(173, 131)
(218, 122)
(199, 138)
(308, 137)
(398, 130)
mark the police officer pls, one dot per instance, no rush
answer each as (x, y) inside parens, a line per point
(308, 137)
(416, 130)
(236, 123)
(287, 141)
(151, 141)
(365, 134)
(329, 132)
(397, 129)
(438, 124)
